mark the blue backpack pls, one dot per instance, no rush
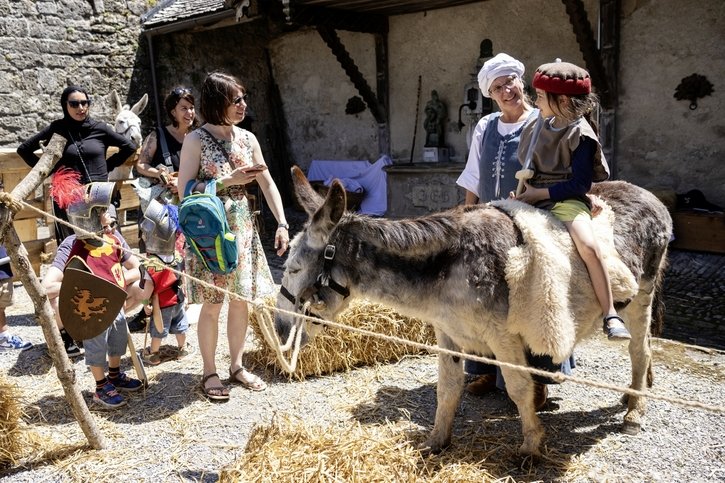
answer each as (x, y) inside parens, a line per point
(203, 221)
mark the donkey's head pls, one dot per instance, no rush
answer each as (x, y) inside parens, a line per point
(312, 284)
(127, 122)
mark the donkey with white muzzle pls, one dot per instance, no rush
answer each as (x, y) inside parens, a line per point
(458, 270)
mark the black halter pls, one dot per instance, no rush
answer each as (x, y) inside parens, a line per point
(324, 279)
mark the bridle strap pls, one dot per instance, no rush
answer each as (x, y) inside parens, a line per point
(286, 294)
(344, 291)
(324, 279)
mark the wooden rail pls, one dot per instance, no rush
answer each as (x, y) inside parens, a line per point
(36, 231)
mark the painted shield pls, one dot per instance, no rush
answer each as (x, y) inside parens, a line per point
(88, 304)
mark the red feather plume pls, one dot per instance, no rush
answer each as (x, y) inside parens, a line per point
(66, 187)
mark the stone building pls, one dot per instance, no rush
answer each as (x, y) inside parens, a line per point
(300, 92)
(47, 45)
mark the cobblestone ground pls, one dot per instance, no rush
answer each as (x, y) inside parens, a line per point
(694, 288)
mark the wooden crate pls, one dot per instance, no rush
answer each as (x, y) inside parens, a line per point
(12, 171)
(703, 232)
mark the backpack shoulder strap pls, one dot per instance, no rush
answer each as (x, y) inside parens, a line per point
(164, 148)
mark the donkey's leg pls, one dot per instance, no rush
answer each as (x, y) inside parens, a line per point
(520, 388)
(450, 387)
(638, 316)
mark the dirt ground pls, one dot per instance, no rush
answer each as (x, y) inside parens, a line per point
(171, 432)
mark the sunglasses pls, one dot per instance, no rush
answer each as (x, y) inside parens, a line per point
(180, 91)
(77, 104)
(238, 100)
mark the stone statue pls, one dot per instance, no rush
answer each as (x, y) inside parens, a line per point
(435, 118)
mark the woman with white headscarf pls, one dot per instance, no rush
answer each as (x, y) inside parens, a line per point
(492, 159)
(490, 175)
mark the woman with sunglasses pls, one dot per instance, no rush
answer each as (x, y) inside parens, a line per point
(221, 153)
(85, 151)
(160, 151)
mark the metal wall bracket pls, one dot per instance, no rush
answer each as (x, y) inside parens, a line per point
(692, 88)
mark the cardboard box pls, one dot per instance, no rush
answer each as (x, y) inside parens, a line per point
(703, 232)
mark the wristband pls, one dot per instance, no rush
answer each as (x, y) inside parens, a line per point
(219, 185)
(283, 225)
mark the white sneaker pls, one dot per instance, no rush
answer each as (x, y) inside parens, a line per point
(14, 342)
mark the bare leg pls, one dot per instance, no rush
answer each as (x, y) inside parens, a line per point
(208, 334)
(237, 321)
(3, 321)
(588, 248)
(155, 344)
(99, 372)
(181, 340)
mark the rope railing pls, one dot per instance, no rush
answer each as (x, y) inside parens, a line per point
(293, 341)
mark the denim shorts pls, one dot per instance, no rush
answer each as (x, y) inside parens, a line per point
(175, 321)
(111, 342)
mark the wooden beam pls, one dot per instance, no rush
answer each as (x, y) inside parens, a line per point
(343, 57)
(23, 270)
(338, 19)
(609, 28)
(588, 47)
(382, 73)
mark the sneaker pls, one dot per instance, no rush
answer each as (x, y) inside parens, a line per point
(108, 396)
(71, 348)
(151, 358)
(186, 351)
(125, 383)
(14, 342)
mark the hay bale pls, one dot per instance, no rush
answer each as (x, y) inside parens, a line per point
(291, 450)
(11, 443)
(341, 350)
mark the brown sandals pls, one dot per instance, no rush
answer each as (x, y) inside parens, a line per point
(215, 393)
(251, 382)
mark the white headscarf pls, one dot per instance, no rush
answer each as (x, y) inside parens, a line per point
(498, 66)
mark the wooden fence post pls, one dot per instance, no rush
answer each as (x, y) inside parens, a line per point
(22, 269)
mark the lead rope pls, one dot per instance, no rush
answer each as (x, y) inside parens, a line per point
(266, 326)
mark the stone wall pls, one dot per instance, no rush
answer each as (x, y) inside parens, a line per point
(441, 46)
(661, 142)
(184, 59)
(46, 45)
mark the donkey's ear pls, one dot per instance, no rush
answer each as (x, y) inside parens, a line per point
(308, 198)
(329, 214)
(116, 105)
(140, 105)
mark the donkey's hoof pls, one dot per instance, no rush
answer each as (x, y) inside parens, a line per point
(430, 448)
(631, 428)
(528, 449)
